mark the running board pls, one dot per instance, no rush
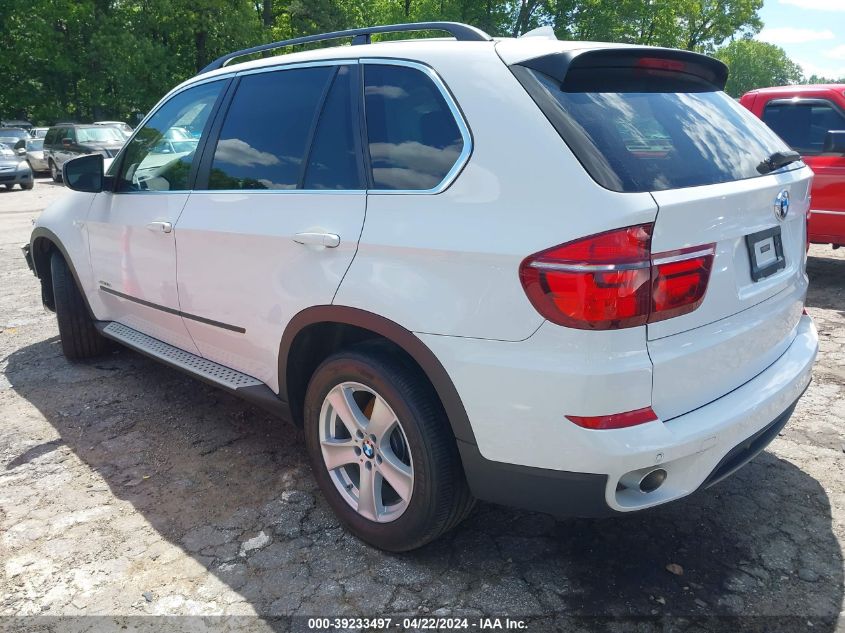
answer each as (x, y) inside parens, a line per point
(215, 374)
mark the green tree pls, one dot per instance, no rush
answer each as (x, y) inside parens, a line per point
(756, 64)
(818, 79)
(92, 59)
(699, 25)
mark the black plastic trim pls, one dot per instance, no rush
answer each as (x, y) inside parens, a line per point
(405, 339)
(40, 232)
(461, 32)
(748, 449)
(186, 315)
(562, 494)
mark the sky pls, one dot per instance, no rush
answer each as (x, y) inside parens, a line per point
(812, 32)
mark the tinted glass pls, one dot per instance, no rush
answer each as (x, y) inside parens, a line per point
(152, 160)
(656, 140)
(804, 125)
(413, 138)
(333, 162)
(265, 136)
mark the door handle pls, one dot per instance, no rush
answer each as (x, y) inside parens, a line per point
(329, 240)
(164, 227)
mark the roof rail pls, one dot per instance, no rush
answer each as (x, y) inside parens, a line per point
(461, 32)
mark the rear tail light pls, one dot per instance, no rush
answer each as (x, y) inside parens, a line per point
(611, 280)
(679, 281)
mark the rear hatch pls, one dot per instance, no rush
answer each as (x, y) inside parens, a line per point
(655, 120)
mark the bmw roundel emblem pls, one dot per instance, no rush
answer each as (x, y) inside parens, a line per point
(782, 205)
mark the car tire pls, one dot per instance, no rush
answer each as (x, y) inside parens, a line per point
(55, 172)
(9, 187)
(80, 339)
(27, 186)
(419, 509)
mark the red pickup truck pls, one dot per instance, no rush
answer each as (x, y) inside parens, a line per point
(811, 119)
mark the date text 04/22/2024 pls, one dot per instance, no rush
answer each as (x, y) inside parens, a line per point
(417, 623)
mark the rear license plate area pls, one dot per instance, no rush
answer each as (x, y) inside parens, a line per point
(765, 252)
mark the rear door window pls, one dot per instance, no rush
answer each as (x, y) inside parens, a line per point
(265, 137)
(804, 124)
(635, 137)
(414, 139)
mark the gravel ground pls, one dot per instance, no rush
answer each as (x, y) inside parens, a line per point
(128, 490)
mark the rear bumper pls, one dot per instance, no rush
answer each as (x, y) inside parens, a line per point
(697, 449)
(16, 177)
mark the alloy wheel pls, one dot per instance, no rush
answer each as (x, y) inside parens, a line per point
(366, 452)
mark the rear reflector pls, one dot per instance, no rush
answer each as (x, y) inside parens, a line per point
(614, 420)
(610, 280)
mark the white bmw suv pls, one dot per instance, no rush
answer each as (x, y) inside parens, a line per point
(562, 276)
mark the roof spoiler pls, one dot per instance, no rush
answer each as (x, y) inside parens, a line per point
(560, 66)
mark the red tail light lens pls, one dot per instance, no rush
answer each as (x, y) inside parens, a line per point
(679, 281)
(614, 420)
(611, 281)
(599, 282)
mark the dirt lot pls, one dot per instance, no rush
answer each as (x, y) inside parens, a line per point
(128, 489)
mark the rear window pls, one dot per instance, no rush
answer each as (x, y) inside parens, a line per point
(635, 137)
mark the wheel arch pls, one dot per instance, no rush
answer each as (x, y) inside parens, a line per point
(42, 243)
(307, 330)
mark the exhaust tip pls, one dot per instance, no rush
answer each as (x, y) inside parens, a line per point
(653, 480)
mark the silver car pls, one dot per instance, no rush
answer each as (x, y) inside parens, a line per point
(14, 169)
(35, 154)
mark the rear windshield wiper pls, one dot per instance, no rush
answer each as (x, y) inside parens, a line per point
(778, 160)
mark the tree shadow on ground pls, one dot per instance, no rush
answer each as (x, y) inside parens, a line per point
(827, 283)
(209, 473)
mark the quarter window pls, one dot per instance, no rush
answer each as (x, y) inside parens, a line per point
(804, 125)
(265, 137)
(414, 141)
(160, 155)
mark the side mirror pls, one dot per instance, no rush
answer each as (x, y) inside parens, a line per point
(84, 173)
(66, 142)
(834, 142)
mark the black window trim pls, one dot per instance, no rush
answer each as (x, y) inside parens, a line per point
(803, 102)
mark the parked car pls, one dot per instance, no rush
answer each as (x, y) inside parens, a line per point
(69, 141)
(11, 135)
(811, 119)
(18, 123)
(125, 128)
(32, 149)
(38, 132)
(593, 309)
(14, 170)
